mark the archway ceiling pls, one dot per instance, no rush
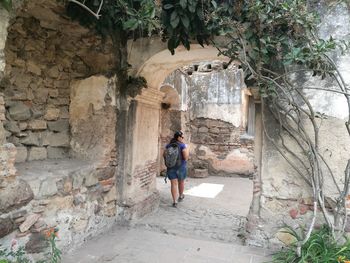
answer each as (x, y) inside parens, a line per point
(159, 66)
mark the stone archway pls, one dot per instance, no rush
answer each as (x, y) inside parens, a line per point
(160, 65)
(224, 118)
(138, 178)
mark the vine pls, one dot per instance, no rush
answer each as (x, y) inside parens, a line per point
(274, 41)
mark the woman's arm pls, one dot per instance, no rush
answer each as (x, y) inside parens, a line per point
(185, 153)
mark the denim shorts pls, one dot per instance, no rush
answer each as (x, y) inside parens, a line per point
(179, 173)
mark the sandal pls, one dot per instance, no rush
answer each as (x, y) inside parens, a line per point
(181, 198)
(175, 205)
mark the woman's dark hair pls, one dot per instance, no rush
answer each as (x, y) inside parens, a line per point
(176, 136)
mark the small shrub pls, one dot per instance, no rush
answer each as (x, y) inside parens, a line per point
(13, 255)
(321, 247)
(18, 255)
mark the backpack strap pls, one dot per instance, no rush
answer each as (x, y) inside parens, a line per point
(180, 152)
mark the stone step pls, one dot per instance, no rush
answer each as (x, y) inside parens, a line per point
(122, 245)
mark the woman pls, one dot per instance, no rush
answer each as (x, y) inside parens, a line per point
(178, 174)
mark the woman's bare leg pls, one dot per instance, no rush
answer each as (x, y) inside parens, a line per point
(181, 185)
(174, 188)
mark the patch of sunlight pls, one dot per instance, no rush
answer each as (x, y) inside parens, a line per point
(205, 190)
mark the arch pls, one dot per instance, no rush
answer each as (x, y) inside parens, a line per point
(160, 65)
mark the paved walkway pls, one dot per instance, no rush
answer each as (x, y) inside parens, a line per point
(206, 227)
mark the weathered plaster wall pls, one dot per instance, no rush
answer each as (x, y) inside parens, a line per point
(285, 197)
(142, 168)
(216, 122)
(140, 52)
(217, 95)
(92, 117)
(335, 23)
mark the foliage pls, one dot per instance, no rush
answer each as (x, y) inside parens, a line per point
(13, 256)
(274, 41)
(132, 16)
(55, 253)
(185, 19)
(321, 247)
(7, 4)
(18, 255)
(135, 85)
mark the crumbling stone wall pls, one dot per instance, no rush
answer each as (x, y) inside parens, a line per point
(213, 113)
(45, 54)
(43, 57)
(4, 17)
(220, 149)
(73, 196)
(14, 193)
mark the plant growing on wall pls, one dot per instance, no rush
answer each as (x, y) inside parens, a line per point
(118, 20)
(7, 4)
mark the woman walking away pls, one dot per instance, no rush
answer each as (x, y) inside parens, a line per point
(176, 155)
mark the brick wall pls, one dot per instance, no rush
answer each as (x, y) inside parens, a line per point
(143, 175)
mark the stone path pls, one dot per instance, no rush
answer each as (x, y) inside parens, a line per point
(202, 218)
(199, 230)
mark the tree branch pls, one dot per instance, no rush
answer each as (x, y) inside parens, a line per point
(97, 14)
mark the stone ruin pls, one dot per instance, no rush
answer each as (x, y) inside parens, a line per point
(215, 110)
(60, 164)
(58, 117)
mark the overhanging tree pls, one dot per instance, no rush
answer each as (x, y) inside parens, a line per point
(274, 41)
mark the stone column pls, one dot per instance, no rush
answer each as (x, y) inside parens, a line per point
(139, 192)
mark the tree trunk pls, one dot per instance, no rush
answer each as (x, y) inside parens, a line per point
(123, 132)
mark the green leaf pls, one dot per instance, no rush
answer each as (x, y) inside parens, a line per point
(215, 5)
(200, 13)
(168, 6)
(171, 45)
(183, 3)
(174, 19)
(7, 4)
(131, 24)
(192, 6)
(186, 43)
(200, 40)
(185, 21)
